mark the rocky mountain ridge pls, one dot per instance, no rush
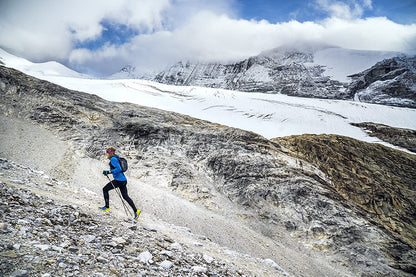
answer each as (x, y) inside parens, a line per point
(290, 72)
(261, 198)
(305, 71)
(405, 138)
(349, 162)
(391, 82)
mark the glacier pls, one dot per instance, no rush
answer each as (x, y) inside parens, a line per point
(270, 115)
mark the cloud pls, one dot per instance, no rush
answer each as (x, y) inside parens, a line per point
(210, 37)
(49, 28)
(376, 33)
(25, 31)
(166, 31)
(346, 10)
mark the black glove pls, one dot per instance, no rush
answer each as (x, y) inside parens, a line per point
(106, 172)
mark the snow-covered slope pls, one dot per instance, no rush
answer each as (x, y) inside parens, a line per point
(311, 70)
(270, 115)
(340, 63)
(38, 70)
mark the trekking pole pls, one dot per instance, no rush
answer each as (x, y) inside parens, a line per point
(126, 210)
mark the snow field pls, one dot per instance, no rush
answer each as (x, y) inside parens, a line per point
(270, 115)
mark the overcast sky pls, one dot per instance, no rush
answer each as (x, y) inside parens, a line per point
(99, 37)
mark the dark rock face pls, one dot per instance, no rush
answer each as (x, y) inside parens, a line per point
(404, 138)
(372, 178)
(318, 197)
(391, 82)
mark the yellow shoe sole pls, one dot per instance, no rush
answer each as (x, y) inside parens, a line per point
(137, 214)
(106, 210)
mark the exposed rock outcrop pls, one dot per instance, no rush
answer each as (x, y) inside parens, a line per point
(371, 177)
(289, 72)
(391, 82)
(276, 195)
(405, 138)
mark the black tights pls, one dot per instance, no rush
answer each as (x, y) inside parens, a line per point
(122, 185)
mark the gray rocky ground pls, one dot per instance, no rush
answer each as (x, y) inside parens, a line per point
(245, 201)
(43, 234)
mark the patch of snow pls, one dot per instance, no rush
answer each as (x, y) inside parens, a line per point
(258, 73)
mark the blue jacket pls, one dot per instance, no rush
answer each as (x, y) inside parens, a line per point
(115, 169)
